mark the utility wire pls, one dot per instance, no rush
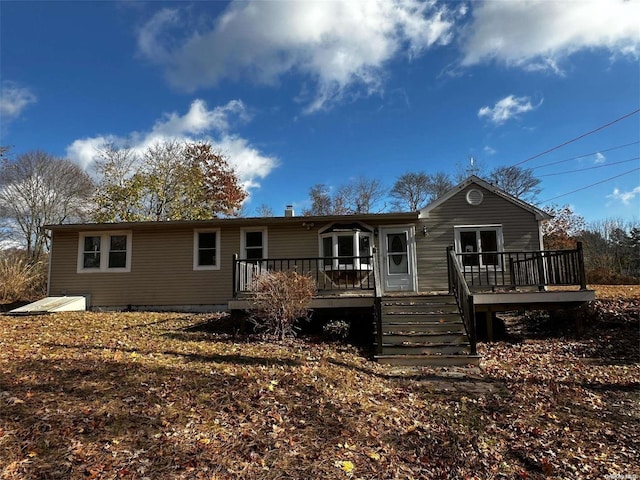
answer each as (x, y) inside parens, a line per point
(585, 155)
(592, 185)
(578, 137)
(590, 168)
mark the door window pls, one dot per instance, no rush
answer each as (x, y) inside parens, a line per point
(397, 255)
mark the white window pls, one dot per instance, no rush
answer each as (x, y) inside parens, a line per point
(206, 249)
(346, 246)
(104, 252)
(480, 245)
(253, 244)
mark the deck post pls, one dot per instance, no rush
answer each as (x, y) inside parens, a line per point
(489, 319)
(542, 281)
(471, 313)
(449, 279)
(377, 302)
(234, 275)
(581, 272)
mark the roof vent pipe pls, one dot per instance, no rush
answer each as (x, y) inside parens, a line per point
(288, 211)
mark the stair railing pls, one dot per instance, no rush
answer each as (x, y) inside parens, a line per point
(460, 290)
(377, 301)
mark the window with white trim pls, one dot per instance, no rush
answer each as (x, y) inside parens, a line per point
(346, 246)
(104, 252)
(206, 249)
(253, 244)
(480, 245)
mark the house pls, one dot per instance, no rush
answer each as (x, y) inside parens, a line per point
(425, 274)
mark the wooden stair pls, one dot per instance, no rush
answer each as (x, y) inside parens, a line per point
(423, 330)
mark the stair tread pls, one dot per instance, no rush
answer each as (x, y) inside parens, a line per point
(430, 333)
(392, 335)
(433, 313)
(416, 304)
(422, 355)
(426, 344)
(422, 322)
(429, 360)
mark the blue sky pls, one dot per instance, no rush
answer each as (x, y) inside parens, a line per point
(300, 93)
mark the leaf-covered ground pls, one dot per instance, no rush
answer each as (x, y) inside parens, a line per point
(145, 396)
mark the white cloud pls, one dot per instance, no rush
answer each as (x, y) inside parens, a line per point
(538, 34)
(85, 151)
(14, 99)
(199, 123)
(624, 197)
(340, 47)
(507, 108)
(198, 119)
(147, 35)
(489, 150)
(600, 158)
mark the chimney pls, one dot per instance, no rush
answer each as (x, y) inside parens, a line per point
(288, 211)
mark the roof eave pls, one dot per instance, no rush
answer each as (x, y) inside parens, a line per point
(243, 221)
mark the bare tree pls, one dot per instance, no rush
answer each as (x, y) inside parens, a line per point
(441, 183)
(612, 248)
(264, 210)
(415, 190)
(516, 181)
(321, 201)
(411, 191)
(362, 195)
(39, 189)
(358, 196)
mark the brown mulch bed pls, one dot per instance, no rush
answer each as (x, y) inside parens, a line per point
(158, 396)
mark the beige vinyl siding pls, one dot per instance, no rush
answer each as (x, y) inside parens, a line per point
(519, 230)
(161, 271)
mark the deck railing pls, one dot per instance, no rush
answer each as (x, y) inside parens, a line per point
(523, 268)
(464, 298)
(329, 273)
(469, 272)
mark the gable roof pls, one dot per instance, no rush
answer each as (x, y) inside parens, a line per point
(538, 213)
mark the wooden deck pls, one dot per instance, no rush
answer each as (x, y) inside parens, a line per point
(478, 283)
(483, 301)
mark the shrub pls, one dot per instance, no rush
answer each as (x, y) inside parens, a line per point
(279, 300)
(21, 279)
(603, 276)
(336, 330)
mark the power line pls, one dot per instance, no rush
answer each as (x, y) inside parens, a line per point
(578, 137)
(590, 168)
(592, 185)
(585, 155)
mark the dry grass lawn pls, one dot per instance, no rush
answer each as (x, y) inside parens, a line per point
(147, 396)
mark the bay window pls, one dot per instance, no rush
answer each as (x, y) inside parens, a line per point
(346, 246)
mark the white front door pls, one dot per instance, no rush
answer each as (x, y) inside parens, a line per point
(398, 259)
